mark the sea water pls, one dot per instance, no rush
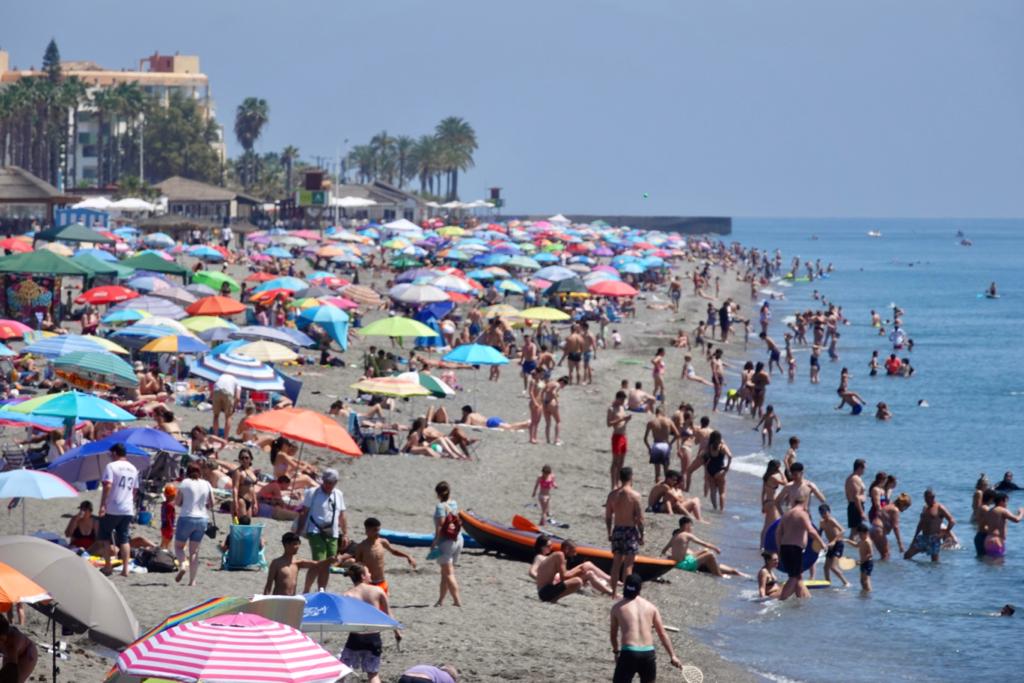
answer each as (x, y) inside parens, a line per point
(923, 621)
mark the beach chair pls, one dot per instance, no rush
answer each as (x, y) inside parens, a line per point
(244, 551)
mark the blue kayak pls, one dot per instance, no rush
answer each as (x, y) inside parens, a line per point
(412, 540)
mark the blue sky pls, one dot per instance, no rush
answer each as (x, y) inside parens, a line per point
(723, 107)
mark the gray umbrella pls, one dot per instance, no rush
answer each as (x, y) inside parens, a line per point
(85, 599)
(200, 289)
(177, 295)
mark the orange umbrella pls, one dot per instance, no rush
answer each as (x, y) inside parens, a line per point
(259, 277)
(269, 295)
(306, 426)
(215, 305)
(16, 245)
(15, 587)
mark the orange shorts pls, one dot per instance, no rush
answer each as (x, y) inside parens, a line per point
(382, 584)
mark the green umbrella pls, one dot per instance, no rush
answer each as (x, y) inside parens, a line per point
(397, 326)
(154, 264)
(99, 367)
(72, 233)
(101, 267)
(216, 279)
(41, 262)
(405, 262)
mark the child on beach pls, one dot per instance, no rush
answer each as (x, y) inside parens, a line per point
(815, 363)
(542, 492)
(862, 540)
(833, 532)
(769, 424)
(283, 573)
(616, 339)
(167, 513)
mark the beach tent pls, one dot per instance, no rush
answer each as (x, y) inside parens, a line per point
(154, 264)
(72, 233)
(42, 262)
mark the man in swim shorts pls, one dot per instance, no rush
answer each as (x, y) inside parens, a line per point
(663, 432)
(528, 359)
(996, 518)
(855, 496)
(618, 419)
(633, 618)
(553, 577)
(574, 346)
(624, 521)
(929, 532)
(703, 560)
(791, 537)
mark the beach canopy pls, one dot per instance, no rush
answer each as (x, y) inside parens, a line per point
(305, 426)
(16, 588)
(72, 233)
(154, 264)
(332, 612)
(397, 326)
(475, 354)
(242, 648)
(42, 262)
(85, 600)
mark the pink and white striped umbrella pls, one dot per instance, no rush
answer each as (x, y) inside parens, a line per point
(233, 648)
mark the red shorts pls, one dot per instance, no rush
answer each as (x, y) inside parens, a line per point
(619, 445)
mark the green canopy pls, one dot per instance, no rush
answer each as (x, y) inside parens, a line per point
(101, 267)
(154, 264)
(42, 262)
(72, 233)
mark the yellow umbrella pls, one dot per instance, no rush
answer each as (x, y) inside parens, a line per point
(267, 352)
(543, 313)
(202, 323)
(331, 250)
(58, 248)
(390, 386)
(304, 303)
(451, 231)
(501, 311)
(113, 347)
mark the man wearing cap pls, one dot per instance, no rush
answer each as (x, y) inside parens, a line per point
(634, 617)
(322, 519)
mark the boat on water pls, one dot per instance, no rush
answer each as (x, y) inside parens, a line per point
(874, 233)
(517, 544)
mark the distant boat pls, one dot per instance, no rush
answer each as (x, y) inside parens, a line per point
(966, 243)
(960, 233)
(874, 233)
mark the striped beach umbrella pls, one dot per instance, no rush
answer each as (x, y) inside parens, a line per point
(244, 648)
(176, 343)
(250, 373)
(98, 366)
(55, 347)
(154, 305)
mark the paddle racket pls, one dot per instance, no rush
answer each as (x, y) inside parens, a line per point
(692, 674)
(847, 563)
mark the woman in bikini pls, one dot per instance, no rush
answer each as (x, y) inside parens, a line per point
(877, 494)
(718, 459)
(658, 374)
(203, 444)
(773, 478)
(83, 528)
(166, 423)
(767, 584)
(549, 400)
(683, 420)
(535, 391)
(302, 475)
(243, 486)
(426, 441)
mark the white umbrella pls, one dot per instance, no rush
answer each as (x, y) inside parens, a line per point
(417, 294)
(132, 204)
(352, 202)
(402, 225)
(97, 203)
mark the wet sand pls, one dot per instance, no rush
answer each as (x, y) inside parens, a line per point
(503, 632)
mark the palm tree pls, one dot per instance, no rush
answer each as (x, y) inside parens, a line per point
(104, 102)
(289, 155)
(73, 95)
(404, 146)
(129, 103)
(383, 146)
(426, 162)
(250, 117)
(363, 157)
(458, 142)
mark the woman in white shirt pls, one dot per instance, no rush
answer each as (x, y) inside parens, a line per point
(195, 497)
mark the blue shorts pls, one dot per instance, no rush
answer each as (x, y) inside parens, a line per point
(494, 422)
(190, 529)
(529, 366)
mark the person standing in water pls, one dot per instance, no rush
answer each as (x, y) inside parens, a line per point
(791, 538)
(928, 535)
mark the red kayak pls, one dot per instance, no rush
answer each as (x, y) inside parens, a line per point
(517, 544)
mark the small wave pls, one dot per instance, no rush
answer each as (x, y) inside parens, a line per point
(778, 678)
(752, 463)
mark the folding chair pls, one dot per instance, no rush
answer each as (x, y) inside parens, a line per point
(244, 548)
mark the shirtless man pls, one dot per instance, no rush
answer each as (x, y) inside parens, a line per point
(363, 650)
(474, 419)
(667, 497)
(929, 531)
(624, 521)
(664, 433)
(528, 359)
(996, 518)
(797, 489)
(19, 652)
(632, 620)
(774, 354)
(618, 419)
(370, 553)
(702, 560)
(546, 361)
(573, 350)
(791, 538)
(554, 579)
(855, 496)
(283, 573)
(589, 353)
(639, 401)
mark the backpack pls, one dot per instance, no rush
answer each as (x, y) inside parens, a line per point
(157, 560)
(451, 525)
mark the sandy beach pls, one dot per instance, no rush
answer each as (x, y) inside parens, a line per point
(502, 632)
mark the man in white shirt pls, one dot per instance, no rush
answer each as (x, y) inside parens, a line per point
(117, 507)
(226, 392)
(322, 520)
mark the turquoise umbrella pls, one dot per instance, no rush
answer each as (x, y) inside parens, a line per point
(99, 366)
(72, 405)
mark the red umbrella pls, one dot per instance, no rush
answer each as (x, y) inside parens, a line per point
(269, 295)
(331, 281)
(107, 294)
(16, 245)
(458, 297)
(215, 305)
(12, 329)
(259, 277)
(306, 426)
(612, 288)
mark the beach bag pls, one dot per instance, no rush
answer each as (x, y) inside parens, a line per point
(451, 525)
(156, 560)
(211, 526)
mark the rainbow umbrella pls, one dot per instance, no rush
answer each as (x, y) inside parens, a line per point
(176, 343)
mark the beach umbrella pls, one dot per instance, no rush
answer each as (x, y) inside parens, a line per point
(100, 254)
(142, 437)
(108, 294)
(139, 335)
(291, 283)
(200, 290)
(226, 346)
(154, 306)
(258, 277)
(475, 354)
(128, 315)
(98, 366)
(12, 329)
(451, 283)
(397, 326)
(55, 347)
(83, 599)
(284, 335)
(215, 280)
(554, 273)
(58, 248)
(174, 326)
(72, 405)
(500, 311)
(480, 275)
(612, 288)
(269, 295)
(215, 305)
(148, 283)
(176, 343)
(278, 252)
(202, 323)
(240, 648)
(33, 484)
(158, 239)
(332, 612)
(544, 313)
(178, 295)
(313, 291)
(568, 286)
(513, 286)
(284, 609)
(16, 245)
(361, 295)
(305, 426)
(331, 281)
(324, 314)
(205, 253)
(432, 384)
(390, 386)
(16, 588)
(267, 351)
(6, 352)
(77, 466)
(250, 373)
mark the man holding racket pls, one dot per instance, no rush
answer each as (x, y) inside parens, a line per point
(633, 618)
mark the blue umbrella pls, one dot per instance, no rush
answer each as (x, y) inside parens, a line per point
(287, 282)
(324, 314)
(72, 405)
(143, 437)
(54, 347)
(480, 275)
(159, 239)
(78, 466)
(206, 253)
(33, 484)
(101, 254)
(224, 347)
(4, 351)
(278, 252)
(332, 612)
(545, 257)
(125, 316)
(475, 354)
(554, 273)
